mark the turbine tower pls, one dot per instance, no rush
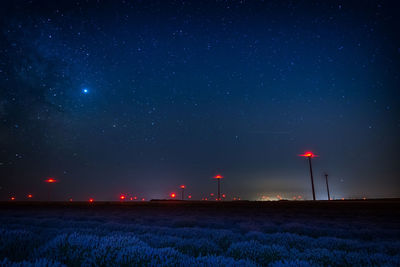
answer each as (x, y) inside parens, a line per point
(327, 186)
(310, 155)
(183, 191)
(219, 177)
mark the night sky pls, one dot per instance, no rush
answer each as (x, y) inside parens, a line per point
(112, 97)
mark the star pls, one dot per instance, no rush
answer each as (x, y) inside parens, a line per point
(85, 91)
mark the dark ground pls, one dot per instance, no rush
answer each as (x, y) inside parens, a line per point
(200, 233)
(380, 209)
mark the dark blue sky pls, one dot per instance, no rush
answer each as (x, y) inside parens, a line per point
(139, 97)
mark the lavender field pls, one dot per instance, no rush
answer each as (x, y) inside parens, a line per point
(358, 233)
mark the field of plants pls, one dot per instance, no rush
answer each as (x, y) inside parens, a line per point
(358, 233)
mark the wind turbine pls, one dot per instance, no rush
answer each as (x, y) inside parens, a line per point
(183, 191)
(219, 177)
(310, 155)
(50, 181)
(327, 186)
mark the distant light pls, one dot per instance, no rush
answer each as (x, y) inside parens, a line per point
(212, 194)
(91, 200)
(122, 197)
(85, 90)
(173, 195)
(135, 198)
(70, 200)
(223, 195)
(183, 186)
(143, 199)
(218, 176)
(12, 198)
(189, 196)
(131, 198)
(265, 198)
(51, 180)
(30, 196)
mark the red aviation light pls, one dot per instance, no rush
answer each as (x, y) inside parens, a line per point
(122, 197)
(308, 154)
(183, 186)
(218, 176)
(173, 195)
(51, 180)
(91, 200)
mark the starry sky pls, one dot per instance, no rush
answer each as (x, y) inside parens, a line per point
(139, 97)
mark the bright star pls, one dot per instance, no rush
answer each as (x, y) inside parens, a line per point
(85, 90)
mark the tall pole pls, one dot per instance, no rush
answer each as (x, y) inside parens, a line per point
(183, 192)
(219, 177)
(327, 186)
(312, 179)
(49, 181)
(219, 189)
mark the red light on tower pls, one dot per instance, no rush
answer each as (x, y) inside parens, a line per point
(183, 191)
(219, 177)
(49, 181)
(12, 198)
(310, 155)
(91, 200)
(122, 197)
(189, 196)
(29, 196)
(173, 195)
